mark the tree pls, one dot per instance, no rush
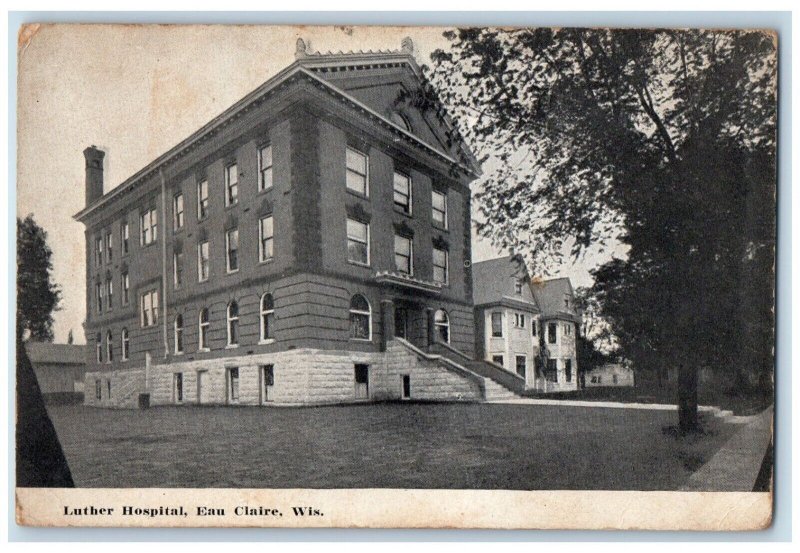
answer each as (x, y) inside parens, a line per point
(663, 140)
(37, 296)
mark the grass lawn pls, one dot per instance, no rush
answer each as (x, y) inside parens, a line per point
(402, 445)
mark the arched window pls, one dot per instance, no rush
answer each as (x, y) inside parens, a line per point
(442, 323)
(109, 347)
(125, 344)
(203, 320)
(99, 347)
(233, 323)
(179, 334)
(360, 318)
(267, 317)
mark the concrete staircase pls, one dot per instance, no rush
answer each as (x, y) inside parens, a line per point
(497, 392)
(499, 384)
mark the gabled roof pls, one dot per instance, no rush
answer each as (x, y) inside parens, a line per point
(345, 70)
(551, 295)
(57, 354)
(493, 283)
(300, 69)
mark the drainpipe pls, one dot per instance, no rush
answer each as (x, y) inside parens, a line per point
(164, 260)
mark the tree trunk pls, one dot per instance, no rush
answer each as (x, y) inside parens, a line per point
(687, 398)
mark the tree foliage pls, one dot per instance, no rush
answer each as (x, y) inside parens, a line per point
(664, 140)
(37, 296)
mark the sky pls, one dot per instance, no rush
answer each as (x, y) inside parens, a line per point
(135, 91)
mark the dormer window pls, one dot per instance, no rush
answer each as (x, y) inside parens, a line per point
(518, 286)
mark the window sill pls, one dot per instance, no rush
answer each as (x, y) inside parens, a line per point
(178, 353)
(358, 264)
(232, 346)
(266, 261)
(358, 194)
(203, 350)
(266, 342)
(437, 226)
(363, 340)
(232, 272)
(231, 206)
(265, 190)
(401, 211)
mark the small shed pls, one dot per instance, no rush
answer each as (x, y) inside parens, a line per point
(59, 368)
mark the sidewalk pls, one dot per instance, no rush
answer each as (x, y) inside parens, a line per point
(735, 467)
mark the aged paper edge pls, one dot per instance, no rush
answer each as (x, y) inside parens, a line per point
(399, 508)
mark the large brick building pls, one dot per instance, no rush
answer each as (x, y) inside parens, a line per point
(308, 245)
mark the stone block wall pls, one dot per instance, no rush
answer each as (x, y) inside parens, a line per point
(301, 377)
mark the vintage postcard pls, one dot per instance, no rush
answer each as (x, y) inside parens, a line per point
(395, 277)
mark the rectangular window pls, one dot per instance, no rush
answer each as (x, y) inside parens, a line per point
(552, 338)
(497, 360)
(614, 379)
(403, 254)
(98, 389)
(497, 325)
(148, 223)
(568, 369)
(177, 211)
(232, 249)
(521, 365)
(231, 184)
(108, 388)
(519, 320)
(265, 230)
(110, 293)
(178, 387)
(177, 269)
(533, 327)
(126, 287)
(202, 200)
(440, 262)
(98, 294)
(233, 385)
(109, 247)
(124, 234)
(202, 261)
(439, 208)
(568, 329)
(518, 286)
(357, 172)
(268, 380)
(265, 168)
(402, 192)
(149, 308)
(98, 348)
(551, 374)
(406, 386)
(357, 242)
(362, 381)
(98, 251)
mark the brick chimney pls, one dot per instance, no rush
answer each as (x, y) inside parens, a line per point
(94, 173)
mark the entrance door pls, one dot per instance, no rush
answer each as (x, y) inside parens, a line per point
(401, 323)
(362, 381)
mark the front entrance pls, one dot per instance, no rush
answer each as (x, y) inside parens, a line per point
(401, 323)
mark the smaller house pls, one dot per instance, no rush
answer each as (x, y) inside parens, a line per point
(528, 328)
(559, 322)
(60, 370)
(609, 374)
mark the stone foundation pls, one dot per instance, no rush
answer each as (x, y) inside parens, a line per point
(301, 377)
